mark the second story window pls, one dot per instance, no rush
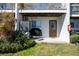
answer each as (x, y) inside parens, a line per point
(40, 6)
(2, 5)
(74, 8)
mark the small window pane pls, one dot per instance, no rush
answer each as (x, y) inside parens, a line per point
(76, 24)
(38, 24)
(2, 5)
(33, 24)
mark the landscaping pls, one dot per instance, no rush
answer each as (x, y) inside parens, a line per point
(74, 37)
(14, 42)
(17, 43)
(48, 50)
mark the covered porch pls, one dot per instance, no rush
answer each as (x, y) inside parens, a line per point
(52, 25)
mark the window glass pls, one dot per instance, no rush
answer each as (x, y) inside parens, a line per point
(40, 5)
(33, 24)
(76, 24)
(52, 24)
(2, 5)
(75, 8)
(36, 24)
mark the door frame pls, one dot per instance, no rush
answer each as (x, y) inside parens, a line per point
(56, 28)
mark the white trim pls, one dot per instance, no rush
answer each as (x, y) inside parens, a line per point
(9, 11)
(74, 15)
(42, 11)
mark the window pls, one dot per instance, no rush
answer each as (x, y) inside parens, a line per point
(33, 24)
(40, 6)
(52, 24)
(76, 24)
(2, 5)
(36, 24)
(75, 8)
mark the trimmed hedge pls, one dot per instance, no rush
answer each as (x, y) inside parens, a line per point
(15, 42)
(74, 38)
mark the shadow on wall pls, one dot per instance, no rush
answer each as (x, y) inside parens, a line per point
(61, 24)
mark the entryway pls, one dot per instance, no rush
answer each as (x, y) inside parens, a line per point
(53, 28)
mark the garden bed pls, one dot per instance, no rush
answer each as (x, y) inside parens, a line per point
(14, 42)
(48, 50)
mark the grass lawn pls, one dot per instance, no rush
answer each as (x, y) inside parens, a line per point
(48, 50)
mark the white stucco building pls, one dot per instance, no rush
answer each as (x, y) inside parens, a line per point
(51, 18)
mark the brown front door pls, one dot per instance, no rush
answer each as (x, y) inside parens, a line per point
(52, 28)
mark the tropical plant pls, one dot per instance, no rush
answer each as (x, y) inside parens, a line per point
(15, 42)
(6, 22)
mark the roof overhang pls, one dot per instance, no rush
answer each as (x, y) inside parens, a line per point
(42, 14)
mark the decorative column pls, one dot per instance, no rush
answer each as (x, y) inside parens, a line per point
(16, 16)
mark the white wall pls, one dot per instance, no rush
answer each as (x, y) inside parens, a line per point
(63, 26)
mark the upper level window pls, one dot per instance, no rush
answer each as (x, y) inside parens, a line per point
(43, 6)
(75, 8)
(2, 5)
(40, 5)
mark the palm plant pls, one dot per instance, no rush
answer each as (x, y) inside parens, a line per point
(6, 22)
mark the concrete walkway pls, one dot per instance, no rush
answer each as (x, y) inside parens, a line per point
(49, 40)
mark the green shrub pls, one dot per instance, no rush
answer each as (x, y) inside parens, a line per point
(20, 39)
(14, 47)
(3, 40)
(72, 33)
(14, 35)
(16, 41)
(74, 38)
(29, 43)
(10, 47)
(4, 47)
